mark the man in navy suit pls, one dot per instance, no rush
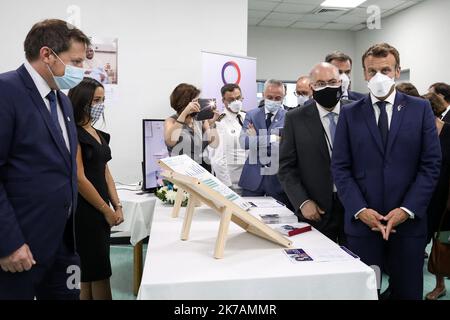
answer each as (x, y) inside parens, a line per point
(345, 64)
(261, 134)
(386, 163)
(38, 181)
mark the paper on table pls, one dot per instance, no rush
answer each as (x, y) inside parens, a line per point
(278, 219)
(186, 166)
(332, 254)
(297, 255)
(266, 203)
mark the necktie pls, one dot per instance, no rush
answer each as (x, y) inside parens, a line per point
(240, 120)
(383, 122)
(332, 126)
(51, 97)
(269, 120)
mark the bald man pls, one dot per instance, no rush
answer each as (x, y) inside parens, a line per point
(303, 91)
(305, 154)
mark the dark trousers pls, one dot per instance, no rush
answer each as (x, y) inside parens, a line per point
(56, 280)
(334, 227)
(402, 256)
(266, 189)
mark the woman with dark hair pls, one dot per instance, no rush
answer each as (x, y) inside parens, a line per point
(185, 135)
(408, 88)
(94, 216)
(438, 208)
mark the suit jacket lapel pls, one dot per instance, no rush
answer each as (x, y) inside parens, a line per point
(369, 116)
(42, 108)
(73, 142)
(261, 120)
(397, 117)
(314, 125)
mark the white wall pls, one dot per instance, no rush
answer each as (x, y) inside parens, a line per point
(286, 54)
(159, 46)
(421, 34)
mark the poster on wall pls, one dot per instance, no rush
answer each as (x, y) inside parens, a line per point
(219, 69)
(101, 61)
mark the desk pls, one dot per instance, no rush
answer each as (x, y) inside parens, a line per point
(252, 268)
(138, 214)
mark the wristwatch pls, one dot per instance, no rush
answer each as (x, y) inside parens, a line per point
(118, 205)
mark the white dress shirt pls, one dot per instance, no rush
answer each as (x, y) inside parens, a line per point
(44, 89)
(273, 113)
(389, 109)
(323, 113)
(445, 112)
(228, 159)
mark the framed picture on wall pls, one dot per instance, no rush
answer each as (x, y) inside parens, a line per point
(102, 60)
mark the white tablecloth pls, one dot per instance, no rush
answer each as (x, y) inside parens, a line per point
(252, 268)
(138, 214)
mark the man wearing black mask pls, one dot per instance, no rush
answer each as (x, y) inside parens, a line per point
(305, 154)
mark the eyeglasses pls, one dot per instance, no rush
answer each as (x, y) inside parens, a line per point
(233, 100)
(301, 93)
(322, 84)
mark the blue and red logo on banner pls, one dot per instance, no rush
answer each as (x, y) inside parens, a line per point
(236, 67)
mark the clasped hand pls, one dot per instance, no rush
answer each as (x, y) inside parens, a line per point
(383, 224)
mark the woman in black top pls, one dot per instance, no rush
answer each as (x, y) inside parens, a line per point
(94, 216)
(438, 205)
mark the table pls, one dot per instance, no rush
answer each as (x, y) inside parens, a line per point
(138, 212)
(252, 268)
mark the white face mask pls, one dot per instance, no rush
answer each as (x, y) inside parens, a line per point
(345, 82)
(272, 106)
(380, 85)
(301, 100)
(235, 106)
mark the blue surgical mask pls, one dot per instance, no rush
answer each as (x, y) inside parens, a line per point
(97, 112)
(272, 106)
(71, 78)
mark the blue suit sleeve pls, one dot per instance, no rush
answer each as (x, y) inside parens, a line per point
(341, 166)
(11, 237)
(250, 142)
(419, 194)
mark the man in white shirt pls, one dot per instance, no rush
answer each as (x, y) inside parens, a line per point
(228, 159)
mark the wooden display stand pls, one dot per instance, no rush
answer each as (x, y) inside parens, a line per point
(228, 211)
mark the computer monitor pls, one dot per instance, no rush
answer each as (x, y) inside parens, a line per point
(154, 149)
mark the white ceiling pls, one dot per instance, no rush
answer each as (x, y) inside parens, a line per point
(300, 14)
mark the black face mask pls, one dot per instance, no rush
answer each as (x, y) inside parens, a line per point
(328, 97)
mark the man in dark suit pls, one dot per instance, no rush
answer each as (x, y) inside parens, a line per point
(443, 90)
(38, 181)
(345, 64)
(260, 135)
(305, 155)
(385, 164)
